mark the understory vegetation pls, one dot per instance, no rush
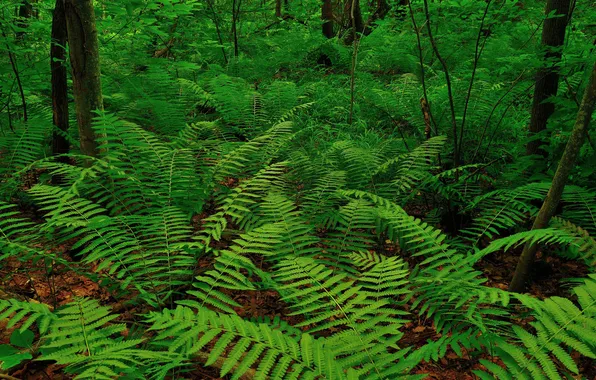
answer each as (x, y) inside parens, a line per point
(264, 199)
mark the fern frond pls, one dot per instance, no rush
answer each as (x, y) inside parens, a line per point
(559, 325)
(234, 345)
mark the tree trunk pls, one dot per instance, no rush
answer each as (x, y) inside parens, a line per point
(84, 60)
(277, 8)
(15, 70)
(356, 20)
(218, 30)
(59, 80)
(576, 140)
(547, 79)
(235, 16)
(327, 16)
(25, 13)
(402, 9)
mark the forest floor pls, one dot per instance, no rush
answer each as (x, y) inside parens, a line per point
(62, 285)
(57, 284)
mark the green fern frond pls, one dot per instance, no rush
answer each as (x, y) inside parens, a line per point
(226, 275)
(234, 345)
(28, 313)
(560, 325)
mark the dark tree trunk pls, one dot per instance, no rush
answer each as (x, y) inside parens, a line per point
(235, 16)
(402, 10)
(216, 22)
(59, 80)
(25, 13)
(277, 8)
(327, 16)
(84, 60)
(576, 140)
(15, 70)
(547, 79)
(356, 21)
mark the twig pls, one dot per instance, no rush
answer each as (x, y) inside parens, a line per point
(7, 377)
(126, 24)
(492, 111)
(356, 45)
(15, 69)
(421, 62)
(448, 80)
(477, 54)
(216, 22)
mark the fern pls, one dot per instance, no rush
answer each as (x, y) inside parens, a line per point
(236, 344)
(559, 325)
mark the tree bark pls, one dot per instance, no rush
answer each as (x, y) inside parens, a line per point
(59, 80)
(277, 8)
(84, 60)
(576, 140)
(327, 16)
(547, 79)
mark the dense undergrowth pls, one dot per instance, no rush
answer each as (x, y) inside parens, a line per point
(223, 179)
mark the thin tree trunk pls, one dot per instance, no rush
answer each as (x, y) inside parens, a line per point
(84, 60)
(59, 80)
(235, 15)
(15, 70)
(218, 30)
(277, 8)
(456, 153)
(426, 105)
(356, 16)
(477, 53)
(576, 140)
(355, 44)
(547, 79)
(352, 9)
(327, 16)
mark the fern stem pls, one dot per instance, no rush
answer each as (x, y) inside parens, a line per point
(82, 320)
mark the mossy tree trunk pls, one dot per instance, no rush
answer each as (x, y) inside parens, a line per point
(576, 140)
(59, 80)
(547, 79)
(84, 60)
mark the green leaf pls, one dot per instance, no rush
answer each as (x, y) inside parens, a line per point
(10, 357)
(22, 339)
